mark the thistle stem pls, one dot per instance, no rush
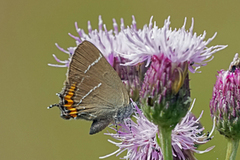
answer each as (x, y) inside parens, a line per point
(232, 148)
(165, 142)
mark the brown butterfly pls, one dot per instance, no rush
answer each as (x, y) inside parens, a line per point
(93, 90)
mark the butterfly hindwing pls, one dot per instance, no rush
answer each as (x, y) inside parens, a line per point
(93, 89)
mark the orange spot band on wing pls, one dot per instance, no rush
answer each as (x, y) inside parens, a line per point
(73, 112)
(70, 101)
(69, 96)
(71, 109)
(68, 105)
(72, 88)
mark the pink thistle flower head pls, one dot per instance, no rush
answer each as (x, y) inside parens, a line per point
(169, 54)
(138, 138)
(224, 105)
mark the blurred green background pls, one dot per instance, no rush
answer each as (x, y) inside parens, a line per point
(29, 30)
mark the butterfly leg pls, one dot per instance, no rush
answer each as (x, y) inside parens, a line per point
(129, 122)
(115, 122)
(53, 105)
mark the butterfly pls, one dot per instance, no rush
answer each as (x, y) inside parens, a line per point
(93, 90)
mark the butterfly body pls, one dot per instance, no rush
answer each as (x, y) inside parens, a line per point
(93, 90)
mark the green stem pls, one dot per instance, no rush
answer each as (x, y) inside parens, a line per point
(232, 148)
(165, 142)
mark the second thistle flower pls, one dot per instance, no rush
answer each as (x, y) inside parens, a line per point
(225, 102)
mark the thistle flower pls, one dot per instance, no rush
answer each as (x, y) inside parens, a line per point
(165, 92)
(138, 138)
(171, 53)
(225, 106)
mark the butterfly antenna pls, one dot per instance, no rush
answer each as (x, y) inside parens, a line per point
(53, 105)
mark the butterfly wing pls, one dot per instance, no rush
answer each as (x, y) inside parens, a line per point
(93, 90)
